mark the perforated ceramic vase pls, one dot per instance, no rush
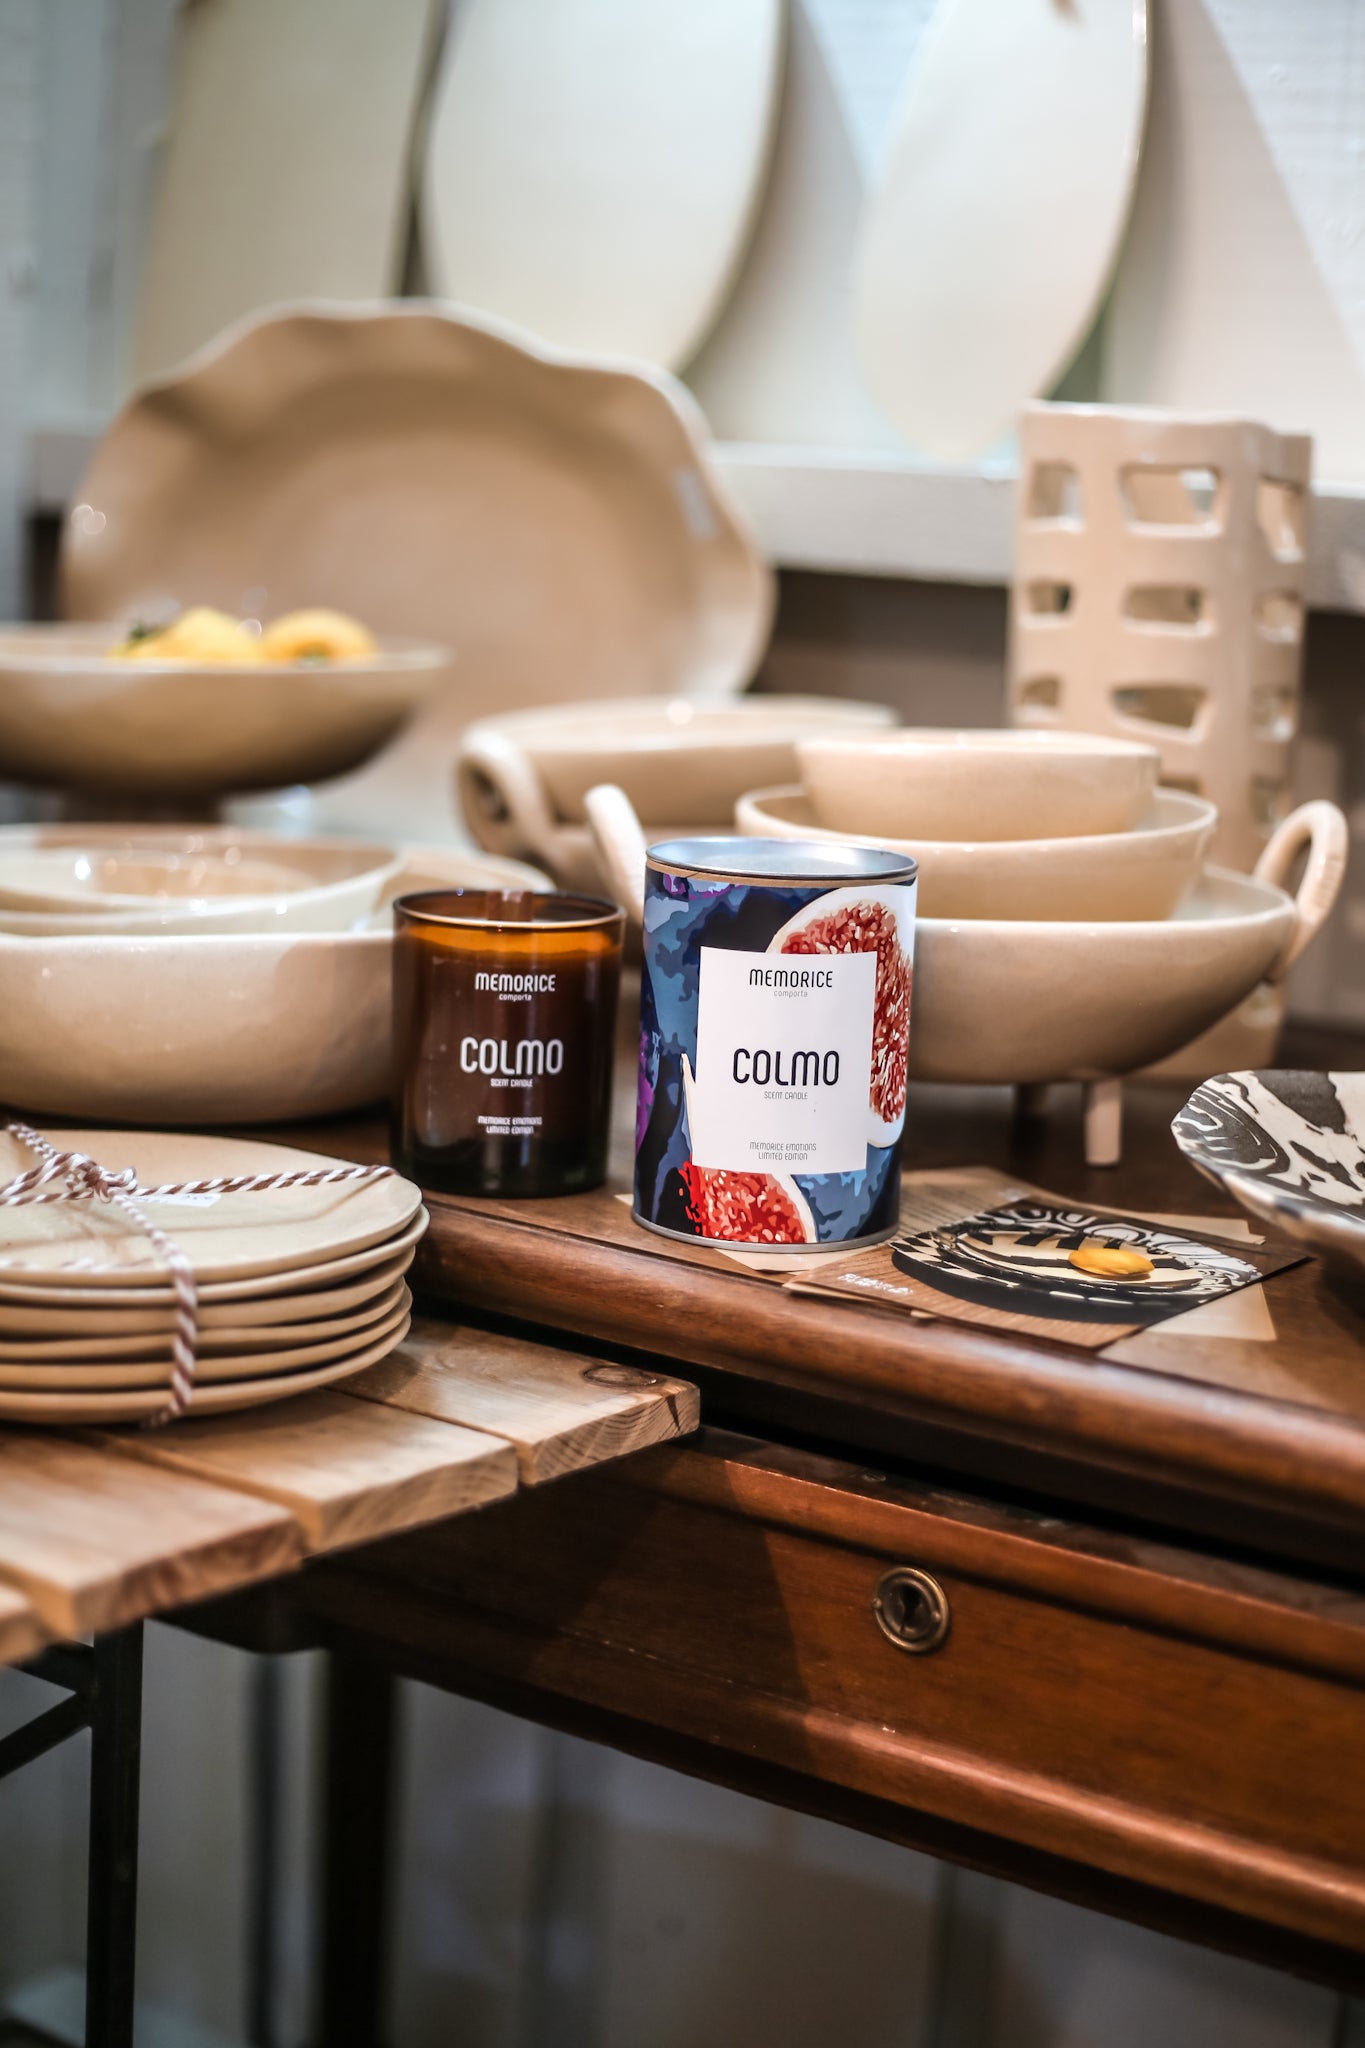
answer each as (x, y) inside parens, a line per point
(1158, 594)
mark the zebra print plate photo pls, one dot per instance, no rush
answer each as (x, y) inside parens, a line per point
(1288, 1147)
(1071, 1265)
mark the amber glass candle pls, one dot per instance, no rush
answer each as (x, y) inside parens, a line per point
(504, 1014)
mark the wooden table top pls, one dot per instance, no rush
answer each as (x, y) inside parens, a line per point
(103, 1527)
(1256, 1441)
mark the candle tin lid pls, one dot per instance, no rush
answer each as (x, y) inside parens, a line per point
(788, 862)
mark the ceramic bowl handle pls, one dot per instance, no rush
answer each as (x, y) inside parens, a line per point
(1321, 827)
(501, 796)
(620, 843)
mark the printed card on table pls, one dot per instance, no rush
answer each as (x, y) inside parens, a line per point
(1040, 1265)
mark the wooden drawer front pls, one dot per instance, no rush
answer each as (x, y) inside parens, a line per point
(1178, 1721)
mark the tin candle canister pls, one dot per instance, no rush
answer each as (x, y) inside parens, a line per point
(504, 1012)
(774, 1029)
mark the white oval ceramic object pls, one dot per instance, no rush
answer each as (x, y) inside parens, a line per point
(1111, 875)
(926, 782)
(70, 715)
(592, 166)
(553, 520)
(989, 240)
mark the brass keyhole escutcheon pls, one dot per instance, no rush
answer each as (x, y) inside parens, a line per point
(911, 1610)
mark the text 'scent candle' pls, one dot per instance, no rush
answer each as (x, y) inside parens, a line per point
(774, 1031)
(504, 1011)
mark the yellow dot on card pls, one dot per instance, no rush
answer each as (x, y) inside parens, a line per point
(1111, 1261)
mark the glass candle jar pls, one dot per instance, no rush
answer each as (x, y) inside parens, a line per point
(504, 1016)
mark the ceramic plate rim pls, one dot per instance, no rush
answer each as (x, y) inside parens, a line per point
(217, 1398)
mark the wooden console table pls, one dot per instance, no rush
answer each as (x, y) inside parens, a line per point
(1149, 1695)
(1094, 1624)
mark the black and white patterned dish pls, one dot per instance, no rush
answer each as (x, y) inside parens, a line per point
(1017, 1259)
(1290, 1148)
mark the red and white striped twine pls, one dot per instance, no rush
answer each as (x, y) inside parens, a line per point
(75, 1177)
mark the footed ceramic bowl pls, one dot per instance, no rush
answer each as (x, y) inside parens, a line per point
(1290, 1148)
(72, 716)
(1024, 1001)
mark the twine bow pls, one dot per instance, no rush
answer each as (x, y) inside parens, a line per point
(76, 1177)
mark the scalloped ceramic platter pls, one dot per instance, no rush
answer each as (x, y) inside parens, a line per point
(551, 520)
(592, 167)
(226, 1236)
(113, 1372)
(991, 236)
(67, 1410)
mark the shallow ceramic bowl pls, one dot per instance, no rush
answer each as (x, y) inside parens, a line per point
(924, 783)
(1022, 1001)
(71, 715)
(1288, 1147)
(319, 884)
(210, 1028)
(98, 878)
(1108, 875)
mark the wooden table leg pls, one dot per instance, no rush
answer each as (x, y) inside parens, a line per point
(358, 1781)
(115, 1703)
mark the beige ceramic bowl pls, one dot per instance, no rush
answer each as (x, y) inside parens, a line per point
(521, 779)
(923, 783)
(1019, 1001)
(1109, 875)
(210, 1028)
(72, 716)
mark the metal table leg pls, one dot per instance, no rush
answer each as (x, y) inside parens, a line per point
(115, 1782)
(358, 1780)
(105, 1686)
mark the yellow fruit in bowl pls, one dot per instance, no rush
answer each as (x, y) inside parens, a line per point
(317, 635)
(200, 634)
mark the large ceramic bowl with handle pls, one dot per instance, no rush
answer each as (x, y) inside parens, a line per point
(1024, 1001)
(522, 779)
(1103, 875)
(73, 715)
(212, 1027)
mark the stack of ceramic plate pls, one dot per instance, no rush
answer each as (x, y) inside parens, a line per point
(297, 1286)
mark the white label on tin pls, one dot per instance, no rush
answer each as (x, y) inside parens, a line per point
(784, 1061)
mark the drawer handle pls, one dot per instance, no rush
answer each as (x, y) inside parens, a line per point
(911, 1610)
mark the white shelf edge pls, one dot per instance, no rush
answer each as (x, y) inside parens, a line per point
(858, 513)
